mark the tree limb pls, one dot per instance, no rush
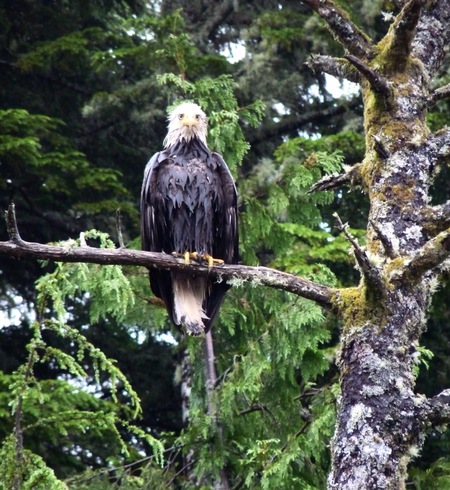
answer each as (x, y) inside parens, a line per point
(292, 123)
(352, 177)
(438, 144)
(426, 258)
(350, 36)
(369, 271)
(437, 217)
(404, 30)
(435, 411)
(439, 94)
(234, 274)
(338, 67)
(377, 82)
(385, 241)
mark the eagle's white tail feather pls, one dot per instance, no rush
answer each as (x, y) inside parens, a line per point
(189, 293)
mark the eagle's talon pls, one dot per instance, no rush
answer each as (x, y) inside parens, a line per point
(187, 256)
(211, 260)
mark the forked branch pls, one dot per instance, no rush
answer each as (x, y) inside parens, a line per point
(350, 36)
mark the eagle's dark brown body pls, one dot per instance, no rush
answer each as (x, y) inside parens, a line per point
(189, 204)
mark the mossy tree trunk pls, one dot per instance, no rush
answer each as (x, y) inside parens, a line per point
(381, 420)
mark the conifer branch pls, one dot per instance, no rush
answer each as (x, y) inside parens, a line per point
(350, 36)
(377, 82)
(234, 274)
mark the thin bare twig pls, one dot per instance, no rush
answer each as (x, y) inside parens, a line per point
(387, 244)
(370, 272)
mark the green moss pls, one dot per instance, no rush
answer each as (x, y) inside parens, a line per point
(351, 304)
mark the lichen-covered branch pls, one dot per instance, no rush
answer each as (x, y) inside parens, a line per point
(350, 177)
(351, 37)
(437, 217)
(426, 258)
(338, 67)
(17, 248)
(438, 144)
(369, 270)
(439, 94)
(385, 240)
(434, 412)
(377, 82)
(403, 31)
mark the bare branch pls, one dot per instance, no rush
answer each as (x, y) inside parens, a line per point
(437, 217)
(380, 148)
(119, 229)
(293, 123)
(234, 274)
(11, 224)
(350, 36)
(351, 177)
(338, 67)
(403, 31)
(439, 94)
(438, 144)
(435, 411)
(385, 241)
(377, 82)
(370, 272)
(426, 258)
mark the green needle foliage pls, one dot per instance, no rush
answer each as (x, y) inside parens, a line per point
(31, 399)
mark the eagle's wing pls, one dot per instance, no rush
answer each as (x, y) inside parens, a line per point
(153, 228)
(226, 238)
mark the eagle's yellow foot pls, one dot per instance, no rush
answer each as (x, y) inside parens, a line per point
(211, 260)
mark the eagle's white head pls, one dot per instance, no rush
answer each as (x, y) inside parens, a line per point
(186, 121)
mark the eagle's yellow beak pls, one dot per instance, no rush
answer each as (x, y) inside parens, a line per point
(190, 120)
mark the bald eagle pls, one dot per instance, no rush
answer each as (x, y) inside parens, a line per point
(189, 207)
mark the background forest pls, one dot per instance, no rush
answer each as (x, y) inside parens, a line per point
(97, 390)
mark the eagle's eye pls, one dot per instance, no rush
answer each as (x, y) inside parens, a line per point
(180, 116)
(197, 116)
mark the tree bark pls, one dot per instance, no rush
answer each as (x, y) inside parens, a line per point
(381, 422)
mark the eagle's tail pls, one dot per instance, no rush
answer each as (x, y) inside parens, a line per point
(188, 296)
